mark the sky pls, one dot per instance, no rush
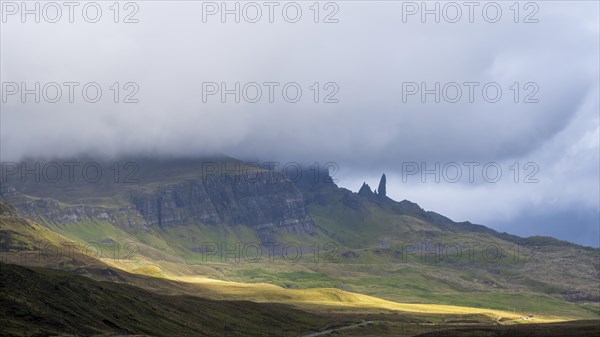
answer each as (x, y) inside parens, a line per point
(487, 113)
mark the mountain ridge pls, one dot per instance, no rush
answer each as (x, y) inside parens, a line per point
(9, 188)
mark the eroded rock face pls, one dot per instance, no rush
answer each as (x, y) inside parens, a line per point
(259, 200)
(266, 202)
(43, 210)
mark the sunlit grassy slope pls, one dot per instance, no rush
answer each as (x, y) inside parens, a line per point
(166, 255)
(47, 302)
(329, 300)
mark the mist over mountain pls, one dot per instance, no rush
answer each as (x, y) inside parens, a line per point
(368, 131)
(310, 168)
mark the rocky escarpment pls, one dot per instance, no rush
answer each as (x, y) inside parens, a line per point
(264, 201)
(51, 210)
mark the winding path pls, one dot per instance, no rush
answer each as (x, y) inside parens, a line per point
(325, 332)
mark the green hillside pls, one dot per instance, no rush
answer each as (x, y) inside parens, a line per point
(39, 301)
(177, 221)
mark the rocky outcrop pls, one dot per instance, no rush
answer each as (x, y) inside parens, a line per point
(381, 189)
(365, 190)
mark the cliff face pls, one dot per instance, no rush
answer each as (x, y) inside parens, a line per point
(260, 200)
(266, 202)
(43, 210)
